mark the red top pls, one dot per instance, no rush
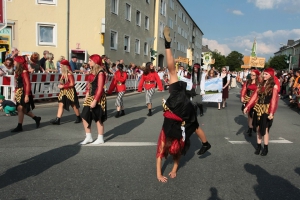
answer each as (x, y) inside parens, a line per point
(273, 103)
(70, 82)
(150, 78)
(276, 80)
(118, 82)
(100, 86)
(251, 86)
(26, 82)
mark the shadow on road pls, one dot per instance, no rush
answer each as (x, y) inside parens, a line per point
(271, 186)
(112, 112)
(242, 120)
(297, 170)
(38, 164)
(214, 194)
(30, 127)
(124, 128)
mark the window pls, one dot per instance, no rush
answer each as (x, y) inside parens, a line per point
(51, 2)
(128, 12)
(114, 6)
(172, 4)
(138, 18)
(171, 23)
(137, 46)
(113, 39)
(46, 34)
(127, 43)
(147, 22)
(163, 7)
(161, 29)
(145, 48)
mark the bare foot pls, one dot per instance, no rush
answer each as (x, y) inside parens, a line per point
(162, 178)
(172, 174)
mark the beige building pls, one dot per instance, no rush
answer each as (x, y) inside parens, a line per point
(120, 29)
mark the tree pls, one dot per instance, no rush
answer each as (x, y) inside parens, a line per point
(278, 63)
(220, 60)
(267, 64)
(234, 60)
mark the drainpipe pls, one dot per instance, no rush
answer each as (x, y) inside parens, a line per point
(68, 30)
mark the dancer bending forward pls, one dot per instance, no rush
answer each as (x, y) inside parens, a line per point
(180, 120)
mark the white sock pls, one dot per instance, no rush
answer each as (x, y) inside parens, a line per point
(88, 138)
(99, 140)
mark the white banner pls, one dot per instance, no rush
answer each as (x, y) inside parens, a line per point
(213, 90)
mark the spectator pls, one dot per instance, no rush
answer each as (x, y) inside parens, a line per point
(113, 68)
(58, 63)
(14, 53)
(131, 69)
(84, 69)
(7, 68)
(50, 66)
(43, 60)
(181, 72)
(8, 106)
(73, 63)
(35, 66)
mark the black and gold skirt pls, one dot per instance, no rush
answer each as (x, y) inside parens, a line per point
(99, 113)
(260, 118)
(20, 97)
(68, 97)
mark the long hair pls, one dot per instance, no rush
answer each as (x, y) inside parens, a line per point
(198, 75)
(35, 57)
(172, 146)
(64, 72)
(268, 86)
(19, 69)
(95, 69)
(120, 67)
(148, 69)
(249, 81)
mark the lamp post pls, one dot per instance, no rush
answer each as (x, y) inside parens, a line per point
(290, 57)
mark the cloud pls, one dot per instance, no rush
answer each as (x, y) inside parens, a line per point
(268, 42)
(237, 12)
(214, 45)
(266, 4)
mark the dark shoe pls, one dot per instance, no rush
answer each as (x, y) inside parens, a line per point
(167, 37)
(249, 132)
(122, 113)
(264, 151)
(37, 121)
(204, 149)
(19, 128)
(149, 114)
(118, 114)
(55, 121)
(257, 150)
(201, 109)
(78, 120)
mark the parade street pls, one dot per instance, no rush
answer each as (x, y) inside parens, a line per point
(49, 163)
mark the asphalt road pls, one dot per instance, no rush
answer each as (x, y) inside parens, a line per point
(49, 163)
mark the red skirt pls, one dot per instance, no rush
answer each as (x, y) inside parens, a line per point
(225, 93)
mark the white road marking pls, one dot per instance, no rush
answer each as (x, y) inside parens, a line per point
(122, 144)
(279, 141)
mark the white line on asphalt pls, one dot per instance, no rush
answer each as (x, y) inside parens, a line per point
(279, 141)
(122, 144)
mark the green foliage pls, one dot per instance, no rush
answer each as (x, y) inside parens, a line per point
(279, 62)
(234, 60)
(220, 60)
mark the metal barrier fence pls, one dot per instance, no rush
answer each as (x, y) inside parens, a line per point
(44, 86)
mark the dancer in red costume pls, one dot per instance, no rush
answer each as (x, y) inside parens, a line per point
(246, 93)
(94, 106)
(180, 120)
(23, 95)
(149, 80)
(118, 82)
(265, 101)
(67, 95)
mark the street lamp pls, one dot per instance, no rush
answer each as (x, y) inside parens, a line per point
(290, 57)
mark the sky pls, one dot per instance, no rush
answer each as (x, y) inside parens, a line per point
(232, 25)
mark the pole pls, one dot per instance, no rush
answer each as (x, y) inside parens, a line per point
(290, 58)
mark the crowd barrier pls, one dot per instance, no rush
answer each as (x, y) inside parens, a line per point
(44, 86)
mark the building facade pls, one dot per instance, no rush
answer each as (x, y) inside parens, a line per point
(120, 29)
(291, 48)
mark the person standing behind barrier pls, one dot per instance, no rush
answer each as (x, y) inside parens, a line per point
(35, 63)
(43, 60)
(23, 95)
(149, 80)
(50, 66)
(58, 63)
(7, 68)
(67, 95)
(118, 82)
(94, 106)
